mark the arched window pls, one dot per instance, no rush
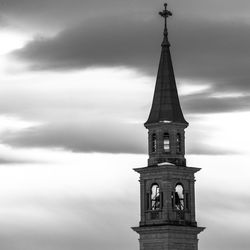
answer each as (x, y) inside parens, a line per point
(179, 197)
(153, 143)
(178, 143)
(166, 142)
(155, 197)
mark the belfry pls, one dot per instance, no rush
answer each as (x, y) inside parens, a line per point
(167, 192)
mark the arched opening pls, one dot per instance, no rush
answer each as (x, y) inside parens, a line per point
(166, 142)
(153, 143)
(155, 197)
(178, 143)
(179, 197)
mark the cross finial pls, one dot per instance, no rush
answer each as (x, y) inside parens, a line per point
(165, 13)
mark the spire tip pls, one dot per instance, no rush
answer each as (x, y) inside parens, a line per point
(165, 14)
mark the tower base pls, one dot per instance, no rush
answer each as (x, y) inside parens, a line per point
(168, 237)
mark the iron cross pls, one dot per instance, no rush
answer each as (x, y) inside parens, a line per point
(165, 13)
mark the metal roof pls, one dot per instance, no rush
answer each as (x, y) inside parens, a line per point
(166, 105)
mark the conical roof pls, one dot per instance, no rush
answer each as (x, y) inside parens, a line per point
(166, 106)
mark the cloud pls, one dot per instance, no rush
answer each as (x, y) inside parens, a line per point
(62, 12)
(200, 53)
(201, 148)
(205, 103)
(64, 206)
(218, 206)
(51, 15)
(203, 50)
(98, 43)
(15, 156)
(110, 137)
(2, 22)
(77, 112)
(10, 161)
(209, 51)
(213, 198)
(72, 223)
(82, 137)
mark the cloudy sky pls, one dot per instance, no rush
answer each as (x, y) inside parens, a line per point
(76, 85)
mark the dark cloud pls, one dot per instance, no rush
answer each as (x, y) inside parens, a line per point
(204, 50)
(2, 22)
(58, 14)
(112, 137)
(213, 51)
(201, 148)
(11, 156)
(216, 52)
(83, 137)
(98, 43)
(10, 160)
(64, 12)
(205, 103)
(76, 119)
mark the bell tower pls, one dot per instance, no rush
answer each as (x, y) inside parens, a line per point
(167, 192)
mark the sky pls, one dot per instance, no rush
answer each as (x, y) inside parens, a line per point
(76, 84)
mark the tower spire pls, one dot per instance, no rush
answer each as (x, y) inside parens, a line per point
(166, 105)
(165, 14)
(166, 122)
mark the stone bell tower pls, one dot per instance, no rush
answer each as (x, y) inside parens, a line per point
(167, 193)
